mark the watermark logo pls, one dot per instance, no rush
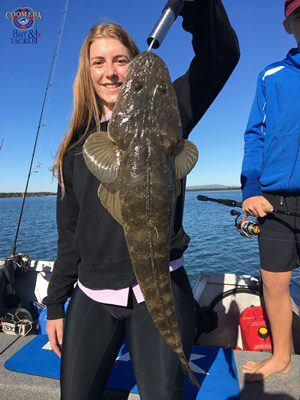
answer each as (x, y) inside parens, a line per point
(23, 21)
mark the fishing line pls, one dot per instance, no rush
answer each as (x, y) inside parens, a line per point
(281, 240)
(231, 256)
(50, 76)
(234, 203)
(237, 258)
(214, 229)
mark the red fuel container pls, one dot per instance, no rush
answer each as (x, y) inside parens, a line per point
(256, 335)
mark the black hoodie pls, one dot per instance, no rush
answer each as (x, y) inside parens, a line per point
(91, 244)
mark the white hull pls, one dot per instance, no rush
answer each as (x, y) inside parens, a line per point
(32, 286)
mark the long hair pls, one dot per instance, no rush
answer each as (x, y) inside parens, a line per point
(88, 106)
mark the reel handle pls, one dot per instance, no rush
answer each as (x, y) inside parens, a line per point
(235, 213)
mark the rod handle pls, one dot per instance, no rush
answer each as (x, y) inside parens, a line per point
(169, 14)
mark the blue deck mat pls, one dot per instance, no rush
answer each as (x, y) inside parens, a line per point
(214, 368)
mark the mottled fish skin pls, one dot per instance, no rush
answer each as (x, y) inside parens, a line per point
(146, 127)
(146, 103)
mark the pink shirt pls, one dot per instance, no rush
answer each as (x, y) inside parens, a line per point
(120, 297)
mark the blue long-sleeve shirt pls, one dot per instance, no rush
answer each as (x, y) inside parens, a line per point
(272, 138)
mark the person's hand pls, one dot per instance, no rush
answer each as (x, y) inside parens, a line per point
(257, 206)
(55, 329)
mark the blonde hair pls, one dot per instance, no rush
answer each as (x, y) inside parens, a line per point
(88, 107)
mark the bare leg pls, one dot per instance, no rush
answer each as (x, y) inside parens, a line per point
(279, 310)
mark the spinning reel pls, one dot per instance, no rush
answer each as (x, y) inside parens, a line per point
(245, 227)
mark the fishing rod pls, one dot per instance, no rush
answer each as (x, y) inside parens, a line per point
(170, 12)
(50, 76)
(245, 227)
(233, 203)
(225, 202)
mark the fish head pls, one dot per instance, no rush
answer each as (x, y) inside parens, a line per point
(146, 104)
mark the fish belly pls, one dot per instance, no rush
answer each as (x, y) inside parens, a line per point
(146, 202)
(146, 187)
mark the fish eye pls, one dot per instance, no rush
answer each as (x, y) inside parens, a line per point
(162, 88)
(137, 86)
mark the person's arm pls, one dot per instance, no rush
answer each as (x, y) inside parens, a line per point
(254, 144)
(64, 273)
(216, 54)
(253, 201)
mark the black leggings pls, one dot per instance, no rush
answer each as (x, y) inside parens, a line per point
(94, 333)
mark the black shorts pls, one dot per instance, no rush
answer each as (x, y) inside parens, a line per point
(279, 239)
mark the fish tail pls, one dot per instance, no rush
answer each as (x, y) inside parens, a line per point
(187, 369)
(173, 339)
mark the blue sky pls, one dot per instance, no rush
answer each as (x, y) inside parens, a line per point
(25, 69)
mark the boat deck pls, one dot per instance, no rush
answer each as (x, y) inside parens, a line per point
(19, 386)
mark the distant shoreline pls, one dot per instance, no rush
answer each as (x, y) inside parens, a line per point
(33, 194)
(188, 189)
(211, 189)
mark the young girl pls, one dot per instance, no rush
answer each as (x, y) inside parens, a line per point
(106, 305)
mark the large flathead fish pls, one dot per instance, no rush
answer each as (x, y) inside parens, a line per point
(139, 163)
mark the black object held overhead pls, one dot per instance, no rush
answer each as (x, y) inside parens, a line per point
(169, 14)
(60, 32)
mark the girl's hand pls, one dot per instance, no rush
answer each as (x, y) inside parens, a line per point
(55, 329)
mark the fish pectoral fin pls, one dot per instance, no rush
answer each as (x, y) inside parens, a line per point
(110, 199)
(102, 157)
(185, 158)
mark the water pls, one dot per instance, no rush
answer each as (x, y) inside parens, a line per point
(37, 236)
(215, 244)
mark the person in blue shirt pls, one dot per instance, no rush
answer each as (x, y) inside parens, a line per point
(271, 181)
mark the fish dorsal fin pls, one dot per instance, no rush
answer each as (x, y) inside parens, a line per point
(102, 157)
(110, 199)
(185, 158)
